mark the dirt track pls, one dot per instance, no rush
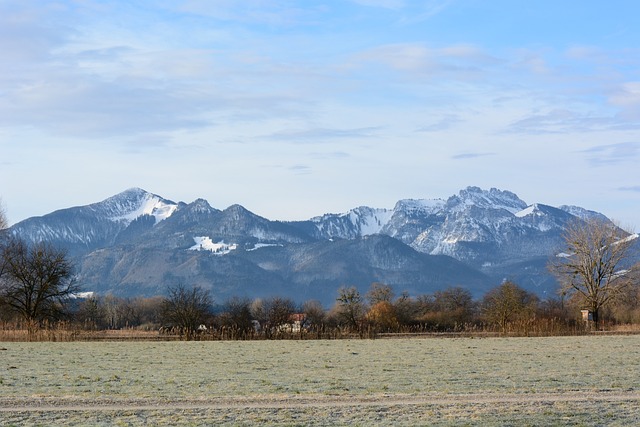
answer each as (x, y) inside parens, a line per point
(285, 402)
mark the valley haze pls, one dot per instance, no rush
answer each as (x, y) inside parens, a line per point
(137, 243)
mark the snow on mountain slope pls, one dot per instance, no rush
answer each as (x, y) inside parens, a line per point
(491, 199)
(629, 238)
(204, 243)
(420, 205)
(134, 203)
(529, 210)
(369, 221)
(436, 226)
(582, 213)
(98, 224)
(477, 225)
(358, 222)
(148, 237)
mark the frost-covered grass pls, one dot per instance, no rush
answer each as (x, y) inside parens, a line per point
(391, 370)
(582, 413)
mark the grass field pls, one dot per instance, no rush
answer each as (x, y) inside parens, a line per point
(501, 381)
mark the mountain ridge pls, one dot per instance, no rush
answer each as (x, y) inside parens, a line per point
(138, 243)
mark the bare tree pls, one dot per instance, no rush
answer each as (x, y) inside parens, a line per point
(147, 311)
(258, 312)
(508, 303)
(278, 313)
(90, 313)
(112, 312)
(447, 309)
(596, 263)
(379, 292)
(406, 309)
(456, 303)
(37, 283)
(315, 315)
(4, 222)
(186, 308)
(350, 308)
(110, 307)
(236, 315)
(627, 307)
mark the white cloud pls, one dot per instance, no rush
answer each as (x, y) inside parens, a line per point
(626, 95)
(386, 4)
(272, 13)
(422, 11)
(453, 62)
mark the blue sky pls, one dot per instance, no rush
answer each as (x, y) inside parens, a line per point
(295, 109)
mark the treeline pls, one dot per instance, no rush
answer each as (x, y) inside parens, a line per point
(38, 292)
(190, 313)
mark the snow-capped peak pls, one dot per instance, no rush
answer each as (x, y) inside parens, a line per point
(419, 205)
(133, 203)
(492, 199)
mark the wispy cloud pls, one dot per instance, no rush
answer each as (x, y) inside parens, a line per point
(85, 107)
(323, 134)
(300, 169)
(409, 12)
(386, 4)
(453, 62)
(550, 122)
(447, 122)
(296, 168)
(122, 91)
(627, 97)
(601, 155)
(57, 77)
(147, 142)
(423, 11)
(568, 121)
(633, 188)
(272, 13)
(464, 156)
(331, 155)
(28, 34)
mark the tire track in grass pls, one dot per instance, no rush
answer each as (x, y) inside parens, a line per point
(8, 405)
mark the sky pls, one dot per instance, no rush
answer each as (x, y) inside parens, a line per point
(294, 109)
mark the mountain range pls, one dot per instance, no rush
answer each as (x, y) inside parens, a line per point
(137, 243)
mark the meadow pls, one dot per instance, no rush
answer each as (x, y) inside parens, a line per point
(580, 380)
